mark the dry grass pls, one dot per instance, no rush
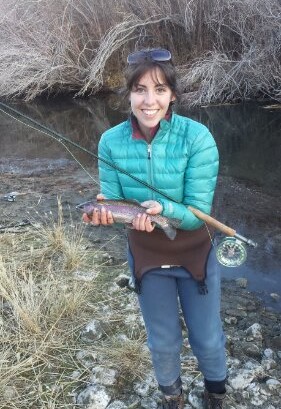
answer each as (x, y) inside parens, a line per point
(44, 308)
(225, 49)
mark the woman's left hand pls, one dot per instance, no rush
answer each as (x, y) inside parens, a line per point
(153, 207)
(143, 221)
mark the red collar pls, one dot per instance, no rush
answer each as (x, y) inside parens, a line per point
(137, 133)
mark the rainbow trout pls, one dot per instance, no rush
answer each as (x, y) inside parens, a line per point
(124, 211)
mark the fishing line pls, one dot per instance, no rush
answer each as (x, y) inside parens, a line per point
(230, 252)
(62, 139)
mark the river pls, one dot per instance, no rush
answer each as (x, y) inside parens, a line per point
(248, 192)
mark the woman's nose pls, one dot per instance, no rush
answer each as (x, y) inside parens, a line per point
(149, 98)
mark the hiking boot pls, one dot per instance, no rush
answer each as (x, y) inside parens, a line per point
(213, 400)
(172, 402)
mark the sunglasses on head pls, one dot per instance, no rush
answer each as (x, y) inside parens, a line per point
(158, 55)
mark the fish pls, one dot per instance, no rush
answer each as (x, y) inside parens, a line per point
(124, 211)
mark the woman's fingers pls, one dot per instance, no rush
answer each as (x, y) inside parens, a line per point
(143, 223)
(100, 196)
(153, 207)
(98, 217)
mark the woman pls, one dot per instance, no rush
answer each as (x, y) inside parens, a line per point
(177, 156)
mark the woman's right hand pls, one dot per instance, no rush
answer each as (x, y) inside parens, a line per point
(99, 217)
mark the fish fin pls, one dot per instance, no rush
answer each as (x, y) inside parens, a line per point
(175, 222)
(170, 231)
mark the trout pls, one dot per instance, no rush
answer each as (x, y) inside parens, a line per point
(124, 211)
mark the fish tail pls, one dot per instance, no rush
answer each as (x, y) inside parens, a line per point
(170, 231)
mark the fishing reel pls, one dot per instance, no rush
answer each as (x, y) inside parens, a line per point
(231, 252)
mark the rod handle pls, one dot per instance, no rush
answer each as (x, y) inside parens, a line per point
(212, 222)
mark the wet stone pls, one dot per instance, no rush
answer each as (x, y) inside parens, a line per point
(117, 404)
(230, 320)
(252, 350)
(241, 282)
(236, 313)
(94, 397)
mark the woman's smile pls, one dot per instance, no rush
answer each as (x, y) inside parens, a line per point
(150, 100)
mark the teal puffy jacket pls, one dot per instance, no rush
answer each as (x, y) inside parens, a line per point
(181, 161)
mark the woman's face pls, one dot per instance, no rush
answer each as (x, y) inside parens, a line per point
(150, 99)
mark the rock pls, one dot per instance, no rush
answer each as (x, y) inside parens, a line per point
(122, 280)
(133, 402)
(241, 379)
(258, 400)
(9, 393)
(195, 398)
(117, 404)
(233, 362)
(92, 332)
(148, 403)
(268, 353)
(75, 375)
(275, 296)
(252, 350)
(87, 358)
(103, 376)
(236, 312)
(241, 282)
(142, 388)
(84, 275)
(230, 320)
(273, 384)
(268, 363)
(94, 397)
(256, 368)
(254, 331)
(275, 342)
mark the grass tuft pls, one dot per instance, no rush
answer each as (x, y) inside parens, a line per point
(44, 308)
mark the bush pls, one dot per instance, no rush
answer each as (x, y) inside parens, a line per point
(224, 49)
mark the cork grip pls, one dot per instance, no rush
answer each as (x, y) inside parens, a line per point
(212, 222)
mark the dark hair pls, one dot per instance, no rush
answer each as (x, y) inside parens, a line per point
(135, 71)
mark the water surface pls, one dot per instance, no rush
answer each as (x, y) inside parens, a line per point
(248, 193)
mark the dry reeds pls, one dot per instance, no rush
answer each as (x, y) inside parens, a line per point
(224, 49)
(44, 306)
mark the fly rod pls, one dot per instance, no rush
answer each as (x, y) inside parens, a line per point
(26, 120)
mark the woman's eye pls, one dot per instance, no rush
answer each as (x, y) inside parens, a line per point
(139, 90)
(161, 90)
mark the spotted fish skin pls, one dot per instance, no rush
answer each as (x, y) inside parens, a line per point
(124, 211)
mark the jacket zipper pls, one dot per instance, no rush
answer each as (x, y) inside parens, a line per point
(149, 151)
(150, 173)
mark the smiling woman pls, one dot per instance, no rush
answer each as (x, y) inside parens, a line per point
(150, 100)
(178, 157)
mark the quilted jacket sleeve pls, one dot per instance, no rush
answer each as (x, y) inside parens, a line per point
(109, 181)
(199, 183)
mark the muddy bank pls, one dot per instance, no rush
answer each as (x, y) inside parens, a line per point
(242, 205)
(253, 331)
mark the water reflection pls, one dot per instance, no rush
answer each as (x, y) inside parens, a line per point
(248, 193)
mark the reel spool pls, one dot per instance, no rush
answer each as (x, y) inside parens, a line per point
(231, 252)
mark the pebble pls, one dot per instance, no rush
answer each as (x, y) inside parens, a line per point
(117, 404)
(92, 332)
(103, 376)
(275, 296)
(242, 282)
(253, 361)
(94, 397)
(254, 331)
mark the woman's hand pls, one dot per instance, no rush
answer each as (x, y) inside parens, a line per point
(153, 207)
(98, 217)
(143, 221)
